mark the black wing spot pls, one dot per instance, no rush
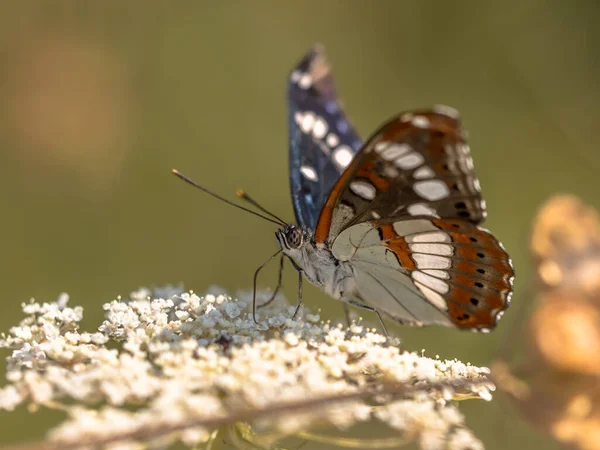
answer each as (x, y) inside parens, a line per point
(464, 213)
(480, 270)
(473, 239)
(474, 301)
(480, 255)
(478, 284)
(460, 205)
(455, 225)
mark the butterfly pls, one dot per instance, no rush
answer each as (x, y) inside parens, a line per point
(391, 224)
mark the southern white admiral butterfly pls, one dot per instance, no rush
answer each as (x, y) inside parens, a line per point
(390, 225)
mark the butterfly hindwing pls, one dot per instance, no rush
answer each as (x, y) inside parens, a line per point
(424, 270)
(322, 141)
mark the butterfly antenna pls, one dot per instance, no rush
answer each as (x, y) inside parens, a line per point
(229, 202)
(244, 195)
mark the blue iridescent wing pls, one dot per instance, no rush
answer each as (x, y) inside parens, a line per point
(322, 140)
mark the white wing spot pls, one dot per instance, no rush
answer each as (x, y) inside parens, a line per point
(469, 163)
(394, 151)
(332, 140)
(305, 81)
(421, 209)
(437, 273)
(423, 173)
(432, 249)
(433, 297)
(446, 111)
(375, 215)
(431, 189)
(319, 129)
(420, 122)
(342, 156)
(363, 189)
(437, 236)
(483, 204)
(390, 171)
(410, 161)
(477, 185)
(309, 173)
(307, 121)
(381, 146)
(436, 284)
(295, 76)
(413, 226)
(406, 117)
(431, 261)
(485, 230)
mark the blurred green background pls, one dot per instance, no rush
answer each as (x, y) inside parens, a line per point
(100, 100)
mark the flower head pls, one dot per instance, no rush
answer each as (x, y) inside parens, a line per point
(188, 364)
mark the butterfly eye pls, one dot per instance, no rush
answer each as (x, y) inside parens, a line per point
(293, 237)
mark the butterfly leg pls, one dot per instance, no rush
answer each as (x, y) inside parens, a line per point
(278, 284)
(369, 308)
(300, 276)
(254, 286)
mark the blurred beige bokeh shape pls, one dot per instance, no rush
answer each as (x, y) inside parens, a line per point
(558, 384)
(67, 105)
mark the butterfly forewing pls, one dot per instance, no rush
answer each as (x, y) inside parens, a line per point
(404, 214)
(416, 164)
(322, 141)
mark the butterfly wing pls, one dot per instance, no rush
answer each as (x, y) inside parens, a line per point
(416, 164)
(424, 270)
(322, 141)
(405, 215)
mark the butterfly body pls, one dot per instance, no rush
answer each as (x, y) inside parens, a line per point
(392, 223)
(317, 262)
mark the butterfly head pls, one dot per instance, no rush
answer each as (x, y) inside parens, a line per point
(290, 237)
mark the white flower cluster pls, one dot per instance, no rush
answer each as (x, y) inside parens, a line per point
(186, 359)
